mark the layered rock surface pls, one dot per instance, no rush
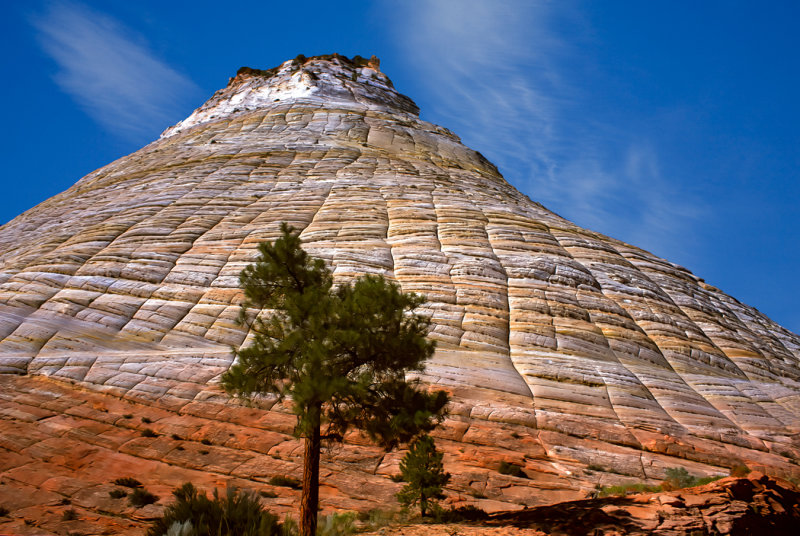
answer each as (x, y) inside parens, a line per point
(590, 351)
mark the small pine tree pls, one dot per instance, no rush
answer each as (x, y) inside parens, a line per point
(423, 471)
(340, 354)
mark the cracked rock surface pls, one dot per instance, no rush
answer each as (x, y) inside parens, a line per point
(564, 349)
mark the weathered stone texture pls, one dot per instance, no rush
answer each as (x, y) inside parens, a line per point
(594, 351)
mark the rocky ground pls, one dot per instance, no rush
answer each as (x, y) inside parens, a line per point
(62, 448)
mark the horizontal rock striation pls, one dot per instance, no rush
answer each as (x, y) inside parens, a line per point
(596, 352)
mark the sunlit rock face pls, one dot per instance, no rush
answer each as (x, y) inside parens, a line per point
(563, 348)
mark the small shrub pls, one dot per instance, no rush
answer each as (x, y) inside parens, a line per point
(625, 489)
(65, 501)
(141, 497)
(286, 481)
(147, 420)
(678, 478)
(4, 511)
(234, 514)
(147, 432)
(397, 478)
(377, 518)
(511, 470)
(740, 471)
(128, 482)
(176, 437)
(337, 524)
(267, 494)
(117, 493)
(461, 514)
(205, 441)
(69, 515)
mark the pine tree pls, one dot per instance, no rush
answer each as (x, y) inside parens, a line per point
(423, 471)
(340, 354)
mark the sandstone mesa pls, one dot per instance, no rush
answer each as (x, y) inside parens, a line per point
(579, 358)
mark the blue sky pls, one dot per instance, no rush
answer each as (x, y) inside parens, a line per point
(670, 125)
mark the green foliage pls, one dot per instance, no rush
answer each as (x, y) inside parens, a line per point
(337, 524)
(740, 470)
(347, 349)
(285, 481)
(679, 478)
(128, 482)
(625, 489)
(676, 478)
(461, 514)
(141, 497)
(511, 470)
(423, 471)
(117, 493)
(341, 354)
(234, 514)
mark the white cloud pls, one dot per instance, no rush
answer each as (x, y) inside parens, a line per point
(496, 72)
(110, 72)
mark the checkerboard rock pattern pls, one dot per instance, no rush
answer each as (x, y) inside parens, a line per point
(563, 349)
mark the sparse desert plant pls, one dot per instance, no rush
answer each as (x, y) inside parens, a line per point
(147, 432)
(285, 481)
(69, 515)
(176, 437)
(117, 493)
(424, 473)
(377, 518)
(128, 416)
(511, 470)
(740, 470)
(677, 478)
(128, 482)
(337, 524)
(141, 497)
(625, 489)
(233, 514)
(147, 420)
(461, 514)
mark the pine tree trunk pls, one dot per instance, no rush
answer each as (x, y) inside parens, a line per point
(309, 501)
